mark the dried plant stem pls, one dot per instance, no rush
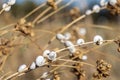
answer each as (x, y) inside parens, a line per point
(66, 60)
(68, 26)
(64, 66)
(44, 12)
(76, 57)
(2, 28)
(54, 12)
(64, 28)
(1, 78)
(27, 70)
(87, 43)
(15, 74)
(35, 44)
(1, 11)
(46, 31)
(3, 63)
(34, 10)
(6, 31)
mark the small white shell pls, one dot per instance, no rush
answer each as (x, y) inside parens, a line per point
(103, 2)
(11, 2)
(98, 40)
(46, 53)
(40, 61)
(113, 2)
(80, 41)
(72, 49)
(60, 36)
(52, 56)
(82, 31)
(33, 66)
(68, 43)
(67, 35)
(6, 7)
(84, 57)
(88, 12)
(96, 8)
(22, 68)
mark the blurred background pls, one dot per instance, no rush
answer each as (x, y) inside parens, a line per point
(91, 26)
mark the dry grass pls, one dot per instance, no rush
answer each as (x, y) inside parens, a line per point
(22, 41)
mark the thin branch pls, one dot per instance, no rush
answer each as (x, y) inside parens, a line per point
(44, 12)
(54, 12)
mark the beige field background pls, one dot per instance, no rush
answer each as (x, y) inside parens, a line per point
(103, 23)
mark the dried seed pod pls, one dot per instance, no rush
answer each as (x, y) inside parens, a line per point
(22, 21)
(103, 69)
(52, 4)
(25, 28)
(114, 6)
(75, 13)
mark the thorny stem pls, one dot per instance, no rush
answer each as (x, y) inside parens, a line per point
(44, 12)
(49, 15)
(68, 26)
